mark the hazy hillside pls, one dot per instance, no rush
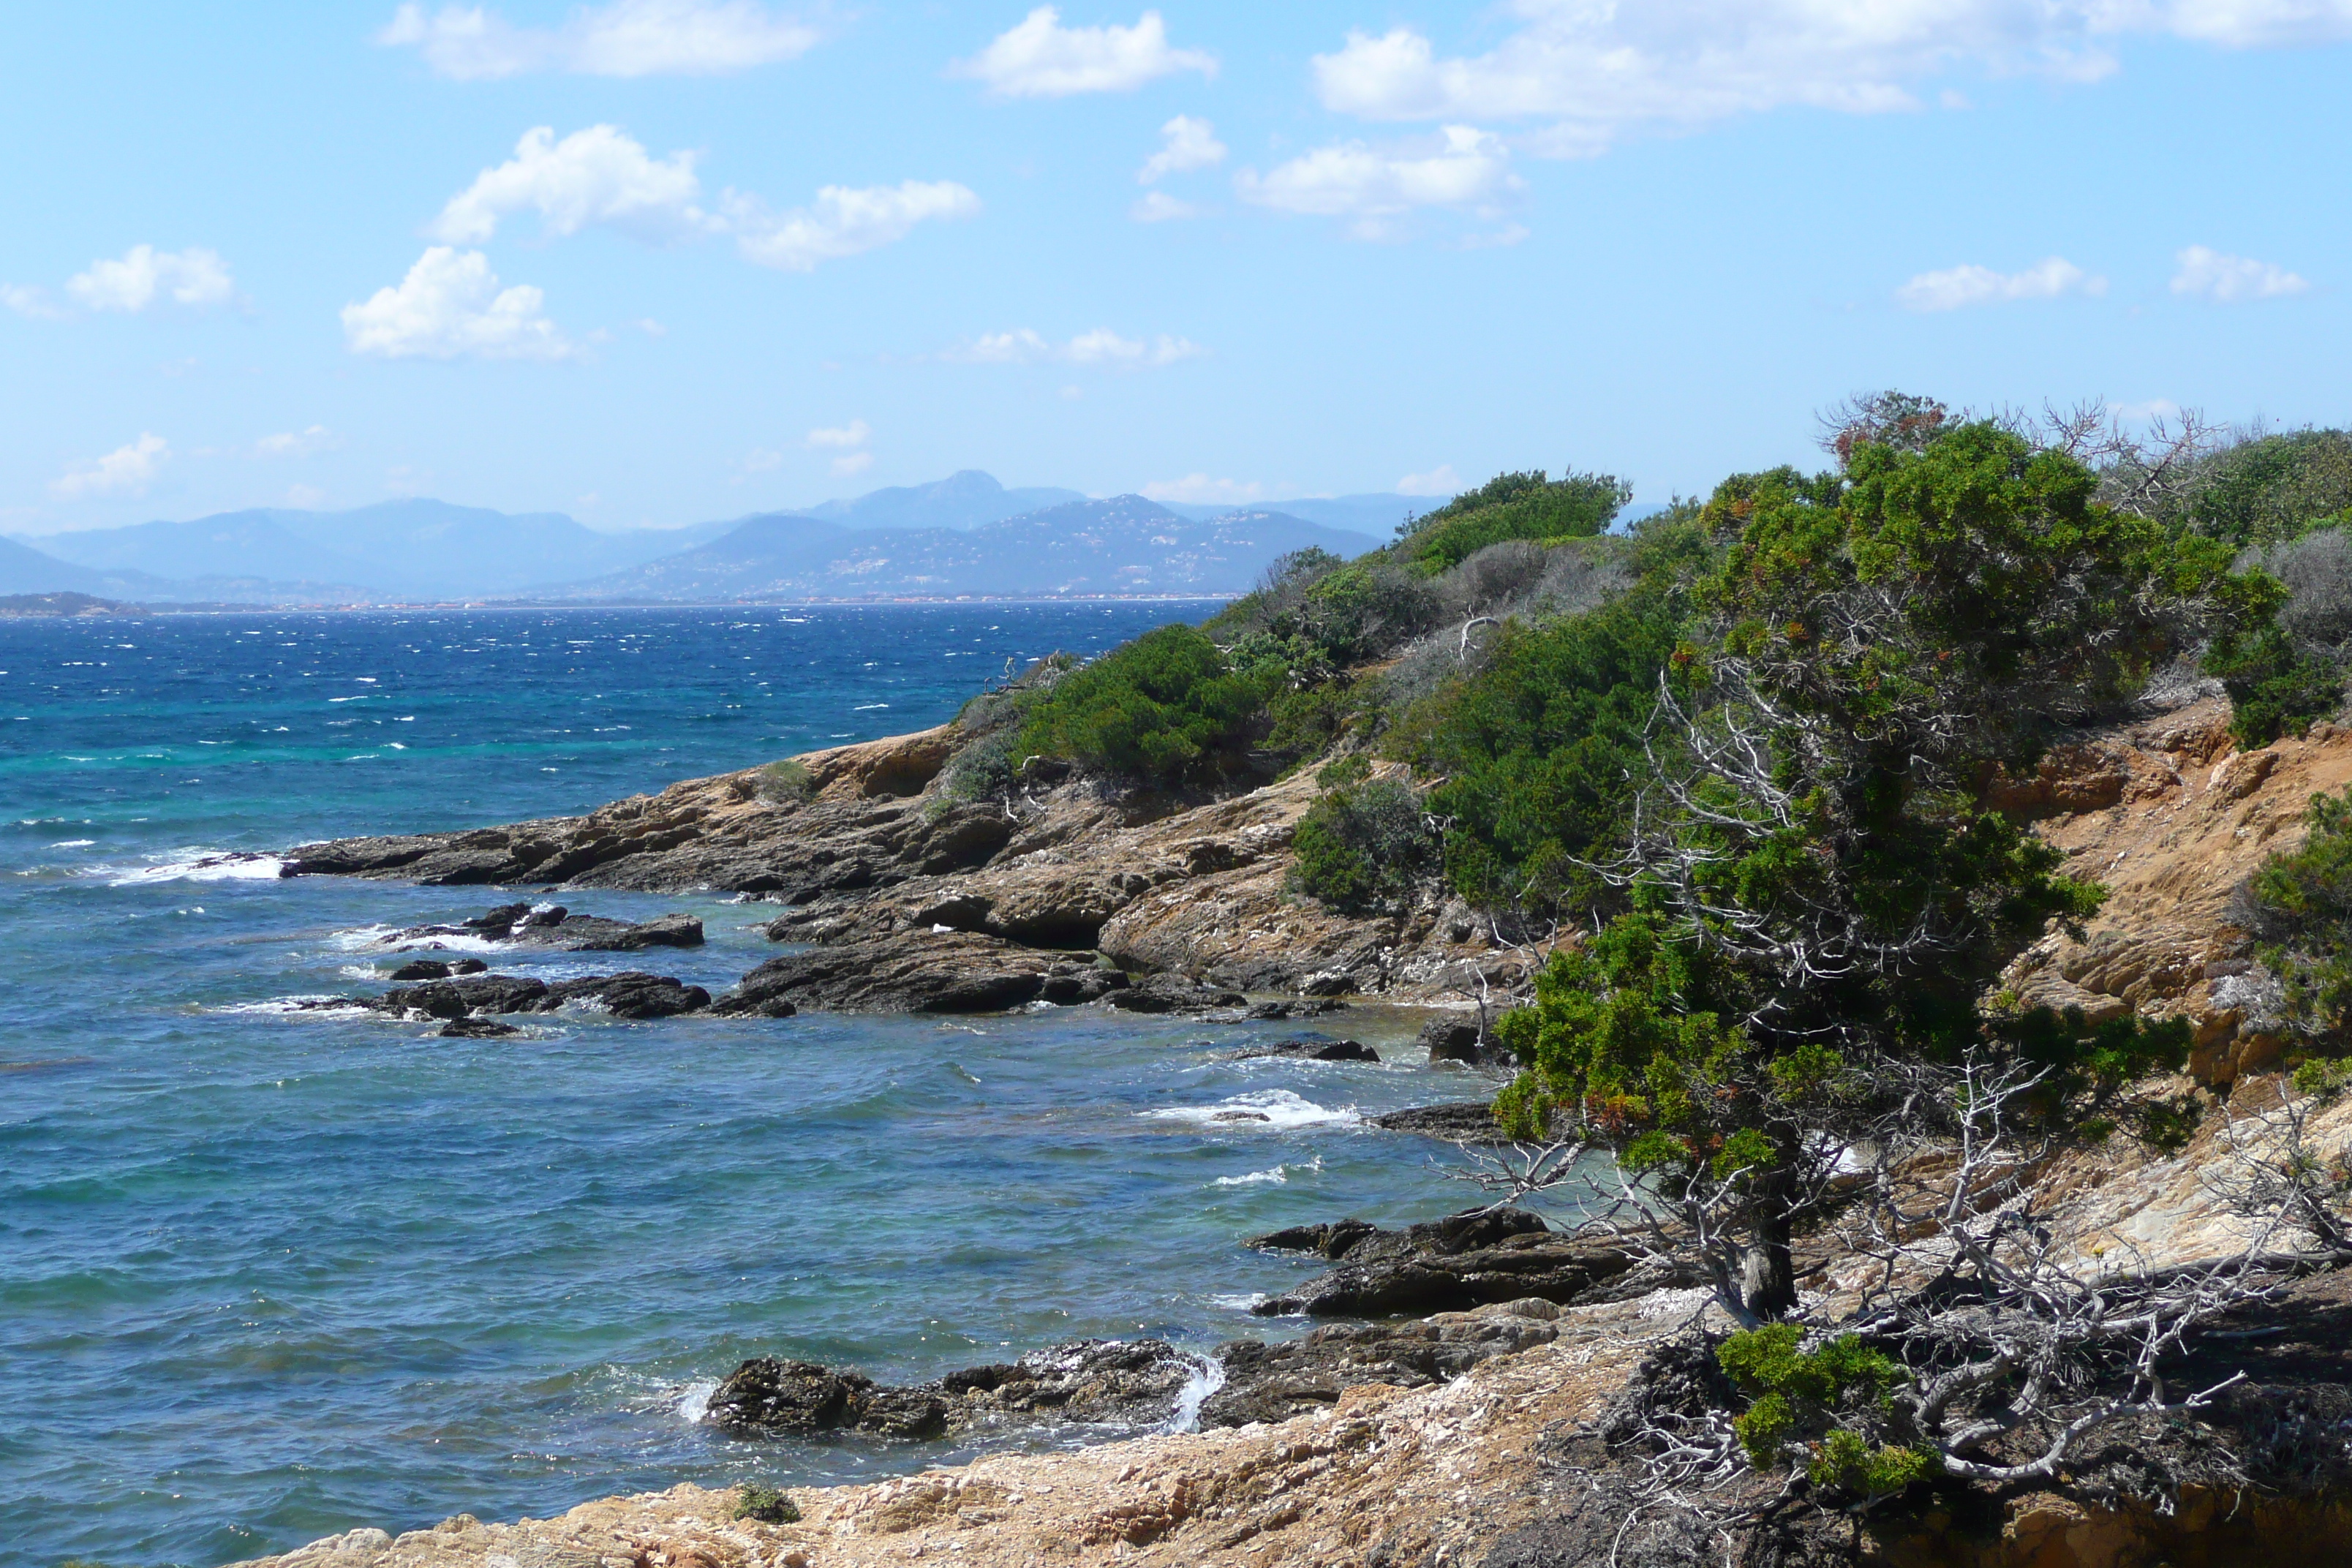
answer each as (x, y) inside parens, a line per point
(25, 570)
(1376, 514)
(413, 549)
(965, 500)
(1123, 545)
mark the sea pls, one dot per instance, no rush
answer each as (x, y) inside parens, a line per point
(266, 1275)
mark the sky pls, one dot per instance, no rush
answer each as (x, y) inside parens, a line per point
(655, 262)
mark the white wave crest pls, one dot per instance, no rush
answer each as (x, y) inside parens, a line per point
(198, 866)
(1278, 1175)
(1276, 1110)
(1208, 1376)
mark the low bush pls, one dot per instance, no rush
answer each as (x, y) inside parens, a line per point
(2317, 570)
(1167, 707)
(1513, 506)
(785, 782)
(2275, 687)
(1363, 843)
(2302, 904)
(766, 1504)
(2269, 489)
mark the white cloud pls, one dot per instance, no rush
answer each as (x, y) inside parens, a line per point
(600, 175)
(125, 470)
(1955, 286)
(1100, 347)
(856, 433)
(852, 463)
(1441, 481)
(449, 305)
(624, 38)
(304, 497)
(27, 300)
(1159, 206)
(2226, 279)
(1595, 71)
(1042, 58)
(294, 443)
(1185, 143)
(1200, 489)
(1467, 168)
(195, 277)
(843, 222)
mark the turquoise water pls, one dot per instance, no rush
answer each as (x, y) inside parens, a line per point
(266, 1276)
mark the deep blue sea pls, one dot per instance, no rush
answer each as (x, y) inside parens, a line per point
(266, 1277)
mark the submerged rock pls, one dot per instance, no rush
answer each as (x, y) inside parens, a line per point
(434, 969)
(475, 993)
(632, 994)
(1311, 1049)
(557, 927)
(475, 1029)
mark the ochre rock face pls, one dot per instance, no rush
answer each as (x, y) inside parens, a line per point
(2173, 820)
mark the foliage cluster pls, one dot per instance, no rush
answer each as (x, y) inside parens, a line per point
(1363, 842)
(1524, 506)
(1827, 1398)
(2302, 900)
(764, 1503)
(784, 783)
(1167, 707)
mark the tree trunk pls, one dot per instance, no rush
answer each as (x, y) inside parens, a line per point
(1770, 1285)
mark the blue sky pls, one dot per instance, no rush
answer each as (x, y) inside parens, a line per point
(657, 261)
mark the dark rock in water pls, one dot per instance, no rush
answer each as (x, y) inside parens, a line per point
(1176, 993)
(1310, 1007)
(1466, 1260)
(1276, 1382)
(918, 972)
(1463, 1040)
(475, 1029)
(1313, 1050)
(477, 994)
(557, 927)
(630, 995)
(331, 1005)
(1465, 1122)
(1331, 1240)
(1084, 1381)
(434, 969)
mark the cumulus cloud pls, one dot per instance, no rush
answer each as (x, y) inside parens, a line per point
(843, 221)
(1185, 143)
(850, 463)
(1595, 71)
(451, 306)
(146, 277)
(28, 300)
(1441, 481)
(1159, 206)
(1042, 58)
(1101, 348)
(856, 433)
(2227, 280)
(126, 470)
(1955, 286)
(1200, 489)
(1467, 168)
(600, 175)
(624, 38)
(294, 443)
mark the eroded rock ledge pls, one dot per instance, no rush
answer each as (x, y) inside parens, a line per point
(874, 861)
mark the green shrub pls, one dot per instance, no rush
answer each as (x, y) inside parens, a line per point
(1362, 843)
(785, 782)
(2302, 903)
(765, 1504)
(1513, 506)
(2270, 488)
(1819, 1396)
(2276, 688)
(1167, 706)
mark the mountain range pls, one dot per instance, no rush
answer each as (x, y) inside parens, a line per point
(964, 535)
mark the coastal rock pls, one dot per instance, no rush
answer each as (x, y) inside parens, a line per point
(475, 1029)
(632, 994)
(1464, 1040)
(1306, 1007)
(556, 927)
(1471, 1260)
(1278, 1381)
(1089, 1381)
(1176, 993)
(434, 969)
(1307, 1048)
(475, 993)
(930, 971)
(1461, 1122)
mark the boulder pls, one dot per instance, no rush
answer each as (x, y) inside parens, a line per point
(475, 1029)
(435, 969)
(633, 994)
(460, 998)
(558, 928)
(1086, 1381)
(801, 1399)
(1177, 994)
(1464, 1040)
